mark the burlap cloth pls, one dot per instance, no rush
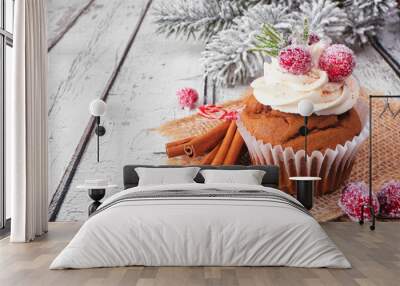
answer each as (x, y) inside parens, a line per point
(386, 152)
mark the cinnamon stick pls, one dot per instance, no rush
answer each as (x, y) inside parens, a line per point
(226, 143)
(234, 150)
(175, 148)
(210, 156)
(200, 145)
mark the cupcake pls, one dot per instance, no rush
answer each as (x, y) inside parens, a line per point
(270, 123)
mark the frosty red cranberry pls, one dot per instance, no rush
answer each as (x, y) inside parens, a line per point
(389, 199)
(338, 61)
(295, 59)
(354, 197)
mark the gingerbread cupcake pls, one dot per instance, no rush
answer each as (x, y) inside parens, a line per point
(270, 123)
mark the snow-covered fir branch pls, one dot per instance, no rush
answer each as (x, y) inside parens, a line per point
(324, 17)
(229, 27)
(228, 58)
(366, 18)
(197, 19)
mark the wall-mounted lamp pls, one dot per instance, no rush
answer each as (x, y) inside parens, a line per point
(305, 108)
(98, 108)
(305, 185)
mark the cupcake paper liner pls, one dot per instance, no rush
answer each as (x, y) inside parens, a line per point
(333, 166)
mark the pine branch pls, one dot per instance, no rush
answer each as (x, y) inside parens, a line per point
(198, 19)
(228, 58)
(366, 18)
(324, 18)
(237, 45)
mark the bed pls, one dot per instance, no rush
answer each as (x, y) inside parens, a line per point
(199, 224)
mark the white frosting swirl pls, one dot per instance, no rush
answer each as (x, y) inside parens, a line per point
(283, 91)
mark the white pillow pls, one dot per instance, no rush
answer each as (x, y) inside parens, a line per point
(248, 177)
(166, 176)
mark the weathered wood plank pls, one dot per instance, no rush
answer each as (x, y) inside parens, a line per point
(79, 69)
(390, 37)
(387, 42)
(61, 17)
(63, 187)
(375, 74)
(142, 97)
(386, 55)
(216, 94)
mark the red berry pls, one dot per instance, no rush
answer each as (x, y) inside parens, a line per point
(354, 197)
(389, 199)
(338, 61)
(187, 97)
(313, 38)
(295, 59)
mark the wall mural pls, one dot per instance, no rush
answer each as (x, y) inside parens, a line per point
(226, 91)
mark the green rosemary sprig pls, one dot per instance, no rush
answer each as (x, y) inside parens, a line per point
(306, 31)
(269, 41)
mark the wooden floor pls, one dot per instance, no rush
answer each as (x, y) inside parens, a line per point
(375, 257)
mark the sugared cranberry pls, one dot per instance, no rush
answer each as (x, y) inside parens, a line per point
(338, 61)
(295, 59)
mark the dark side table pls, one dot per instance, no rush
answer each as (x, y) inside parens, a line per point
(96, 193)
(305, 187)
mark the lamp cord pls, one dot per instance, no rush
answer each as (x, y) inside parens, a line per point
(305, 138)
(98, 140)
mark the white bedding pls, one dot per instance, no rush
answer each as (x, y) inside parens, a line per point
(200, 231)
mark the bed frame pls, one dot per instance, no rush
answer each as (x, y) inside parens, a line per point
(271, 178)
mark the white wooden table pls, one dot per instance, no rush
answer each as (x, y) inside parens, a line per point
(141, 96)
